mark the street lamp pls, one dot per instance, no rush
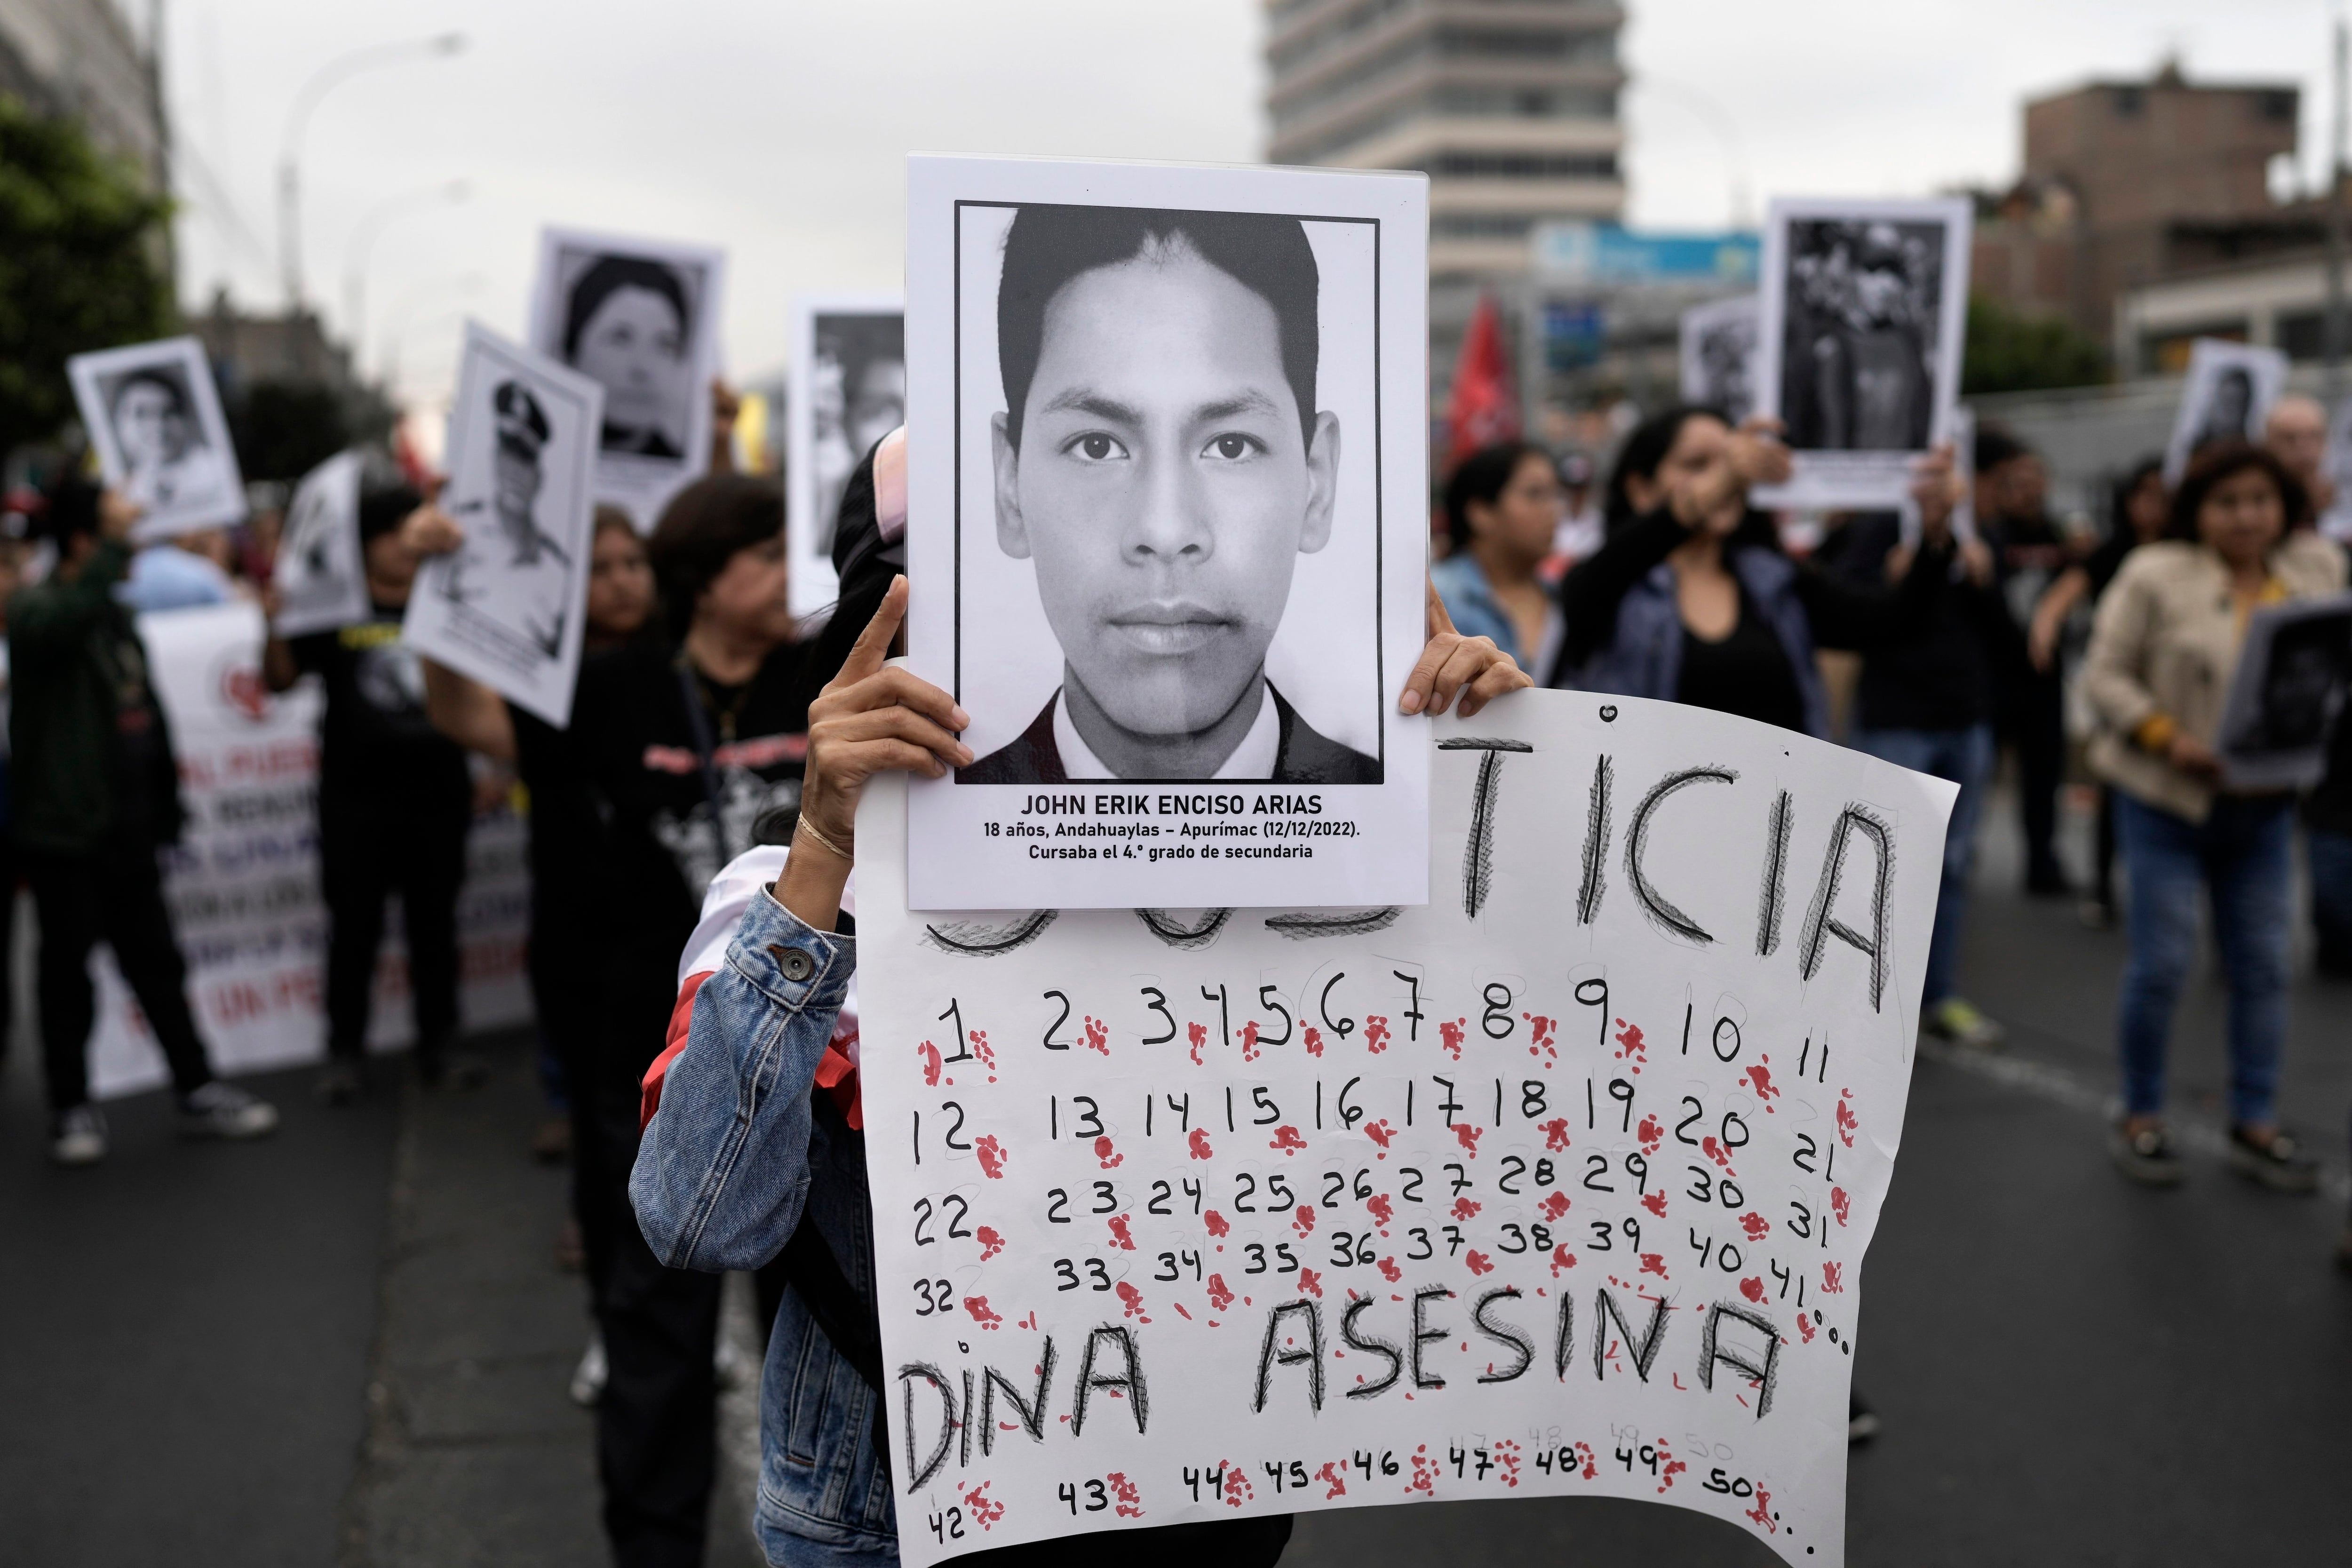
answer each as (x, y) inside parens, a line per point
(329, 76)
(361, 247)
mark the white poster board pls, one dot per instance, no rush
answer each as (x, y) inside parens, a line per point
(848, 390)
(243, 883)
(1558, 1184)
(508, 608)
(1859, 340)
(320, 573)
(2336, 522)
(1168, 528)
(1718, 355)
(2286, 695)
(154, 417)
(640, 317)
(2226, 397)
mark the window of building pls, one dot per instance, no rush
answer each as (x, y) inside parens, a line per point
(1480, 225)
(2129, 102)
(1521, 166)
(2303, 334)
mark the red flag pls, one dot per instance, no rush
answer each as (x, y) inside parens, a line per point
(1486, 406)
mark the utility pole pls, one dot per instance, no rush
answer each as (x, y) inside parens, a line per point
(2336, 223)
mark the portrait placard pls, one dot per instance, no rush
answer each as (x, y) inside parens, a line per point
(507, 608)
(2287, 694)
(2336, 520)
(1557, 1185)
(2226, 397)
(1166, 531)
(1718, 355)
(640, 317)
(154, 417)
(848, 390)
(1859, 340)
(321, 575)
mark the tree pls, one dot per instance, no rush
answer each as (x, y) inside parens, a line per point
(80, 265)
(2009, 352)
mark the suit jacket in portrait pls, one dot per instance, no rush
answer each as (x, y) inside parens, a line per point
(1302, 755)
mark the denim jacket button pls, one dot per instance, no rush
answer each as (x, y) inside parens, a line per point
(797, 965)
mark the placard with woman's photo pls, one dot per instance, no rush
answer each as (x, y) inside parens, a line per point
(154, 417)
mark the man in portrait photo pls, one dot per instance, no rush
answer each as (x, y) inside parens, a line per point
(1162, 463)
(513, 572)
(166, 460)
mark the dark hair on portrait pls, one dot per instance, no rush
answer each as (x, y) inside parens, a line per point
(1047, 246)
(608, 276)
(2222, 460)
(704, 527)
(1483, 477)
(162, 380)
(1644, 453)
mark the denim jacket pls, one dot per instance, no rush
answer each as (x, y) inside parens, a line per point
(1646, 657)
(738, 1151)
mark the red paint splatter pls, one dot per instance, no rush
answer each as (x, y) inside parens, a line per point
(1380, 1209)
(1467, 1136)
(1834, 1278)
(1119, 1235)
(1379, 1131)
(1655, 1263)
(1131, 1501)
(1630, 1047)
(1304, 1220)
(991, 1243)
(1805, 1327)
(1424, 1473)
(1449, 1035)
(1753, 1288)
(983, 1509)
(1218, 1225)
(1376, 1033)
(1847, 1126)
(987, 1053)
(1561, 1258)
(992, 1156)
(1198, 1144)
(978, 1307)
(1466, 1208)
(1668, 1470)
(1199, 1034)
(1591, 1467)
(1760, 1076)
(1650, 1134)
(1219, 1297)
(1762, 1512)
(1554, 1205)
(1249, 1041)
(1185, 1315)
(1311, 1282)
(1716, 1152)
(1287, 1139)
(1388, 1268)
(1540, 1029)
(1314, 1041)
(1506, 1461)
(1134, 1300)
(1110, 1158)
(1478, 1262)
(1329, 1474)
(931, 1055)
(1237, 1486)
(1098, 1035)
(1756, 1227)
(1840, 1203)
(1555, 1133)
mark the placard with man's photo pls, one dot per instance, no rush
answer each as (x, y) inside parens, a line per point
(2227, 396)
(320, 571)
(1167, 532)
(1718, 355)
(154, 417)
(506, 606)
(1859, 340)
(848, 390)
(640, 317)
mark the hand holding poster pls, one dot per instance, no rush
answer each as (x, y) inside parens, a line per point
(506, 608)
(1170, 512)
(849, 391)
(320, 573)
(1859, 343)
(155, 420)
(2227, 397)
(1557, 1186)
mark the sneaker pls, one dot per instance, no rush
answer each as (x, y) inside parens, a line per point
(221, 1110)
(2146, 1156)
(1862, 1423)
(343, 1080)
(1957, 1021)
(2279, 1164)
(79, 1137)
(588, 1377)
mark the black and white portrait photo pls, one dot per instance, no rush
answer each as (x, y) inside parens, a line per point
(848, 390)
(639, 318)
(2288, 694)
(506, 608)
(1718, 355)
(2227, 396)
(320, 575)
(1169, 550)
(1858, 342)
(154, 417)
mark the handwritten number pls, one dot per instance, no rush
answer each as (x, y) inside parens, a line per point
(1058, 1022)
(1159, 1004)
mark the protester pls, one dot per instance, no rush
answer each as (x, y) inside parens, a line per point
(2012, 490)
(182, 573)
(94, 794)
(2296, 435)
(2162, 653)
(396, 802)
(711, 1192)
(1503, 507)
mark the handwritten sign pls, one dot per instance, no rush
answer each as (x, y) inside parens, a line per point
(1558, 1184)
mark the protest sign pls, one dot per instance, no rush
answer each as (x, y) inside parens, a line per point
(320, 573)
(154, 417)
(849, 391)
(1859, 340)
(639, 318)
(1718, 355)
(507, 608)
(243, 882)
(1168, 525)
(2227, 397)
(2286, 695)
(1559, 1184)
(2336, 520)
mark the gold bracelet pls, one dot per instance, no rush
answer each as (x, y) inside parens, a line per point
(839, 853)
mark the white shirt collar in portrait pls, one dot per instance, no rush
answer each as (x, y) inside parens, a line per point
(1253, 759)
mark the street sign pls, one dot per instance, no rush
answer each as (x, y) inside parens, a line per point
(1607, 253)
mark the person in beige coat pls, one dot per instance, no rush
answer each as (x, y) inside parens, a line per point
(2162, 654)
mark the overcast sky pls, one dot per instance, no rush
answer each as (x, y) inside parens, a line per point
(775, 127)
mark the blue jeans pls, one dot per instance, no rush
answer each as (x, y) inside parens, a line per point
(2241, 856)
(1965, 757)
